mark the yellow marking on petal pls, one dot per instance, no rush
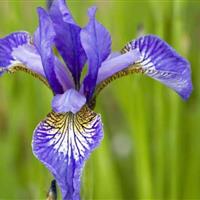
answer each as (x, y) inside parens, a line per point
(81, 119)
(136, 68)
(20, 67)
(126, 48)
(71, 135)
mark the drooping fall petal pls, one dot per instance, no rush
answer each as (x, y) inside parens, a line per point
(16, 50)
(63, 142)
(118, 63)
(161, 62)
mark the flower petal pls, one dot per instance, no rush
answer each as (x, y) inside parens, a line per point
(96, 42)
(113, 55)
(49, 3)
(63, 75)
(43, 39)
(28, 55)
(113, 65)
(60, 12)
(18, 53)
(16, 50)
(67, 39)
(163, 63)
(7, 44)
(70, 101)
(63, 142)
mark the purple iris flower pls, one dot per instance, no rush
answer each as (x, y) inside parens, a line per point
(72, 130)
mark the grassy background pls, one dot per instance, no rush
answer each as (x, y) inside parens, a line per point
(151, 147)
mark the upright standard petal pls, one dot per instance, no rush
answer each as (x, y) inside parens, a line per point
(49, 3)
(60, 12)
(70, 101)
(63, 142)
(96, 42)
(67, 39)
(163, 63)
(16, 50)
(43, 40)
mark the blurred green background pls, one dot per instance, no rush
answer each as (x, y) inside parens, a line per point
(151, 146)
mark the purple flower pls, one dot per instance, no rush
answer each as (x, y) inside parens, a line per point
(67, 136)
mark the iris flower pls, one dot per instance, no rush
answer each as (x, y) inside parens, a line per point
(64, 140)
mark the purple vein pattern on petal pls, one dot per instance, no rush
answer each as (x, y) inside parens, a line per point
(163, 63)
(96, 42)
(63, 142)
(70, 101)
(16, 49)
(43, 39)
(67, 39)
